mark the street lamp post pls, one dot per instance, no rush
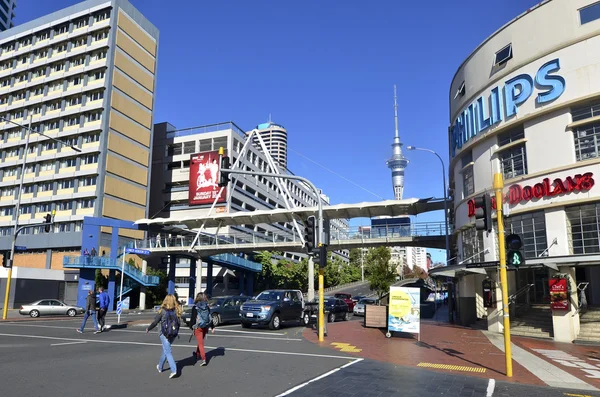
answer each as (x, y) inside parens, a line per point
(18, 204)
(445, 194)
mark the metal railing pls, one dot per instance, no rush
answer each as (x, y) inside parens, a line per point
(108, 263)
(240, 239)
(513, 299)
(207, 128)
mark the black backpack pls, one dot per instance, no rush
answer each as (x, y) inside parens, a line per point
(170, 325)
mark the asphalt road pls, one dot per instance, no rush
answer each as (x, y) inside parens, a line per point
(47, 357)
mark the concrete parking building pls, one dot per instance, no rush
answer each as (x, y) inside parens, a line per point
(84, 75)
(526, 103)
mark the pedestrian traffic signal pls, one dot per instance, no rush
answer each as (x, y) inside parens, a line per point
(48, 223)
(6, 259)
(310, 234)
(483, 213)
(514, 256)
(224, 176)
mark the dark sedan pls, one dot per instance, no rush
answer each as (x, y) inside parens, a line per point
(338, 310)
(223, 309)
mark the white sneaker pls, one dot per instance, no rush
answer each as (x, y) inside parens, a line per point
(173, 374)
(158, 368)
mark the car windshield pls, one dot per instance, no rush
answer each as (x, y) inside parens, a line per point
(215, 302)
(329, 302)
(367, 301)
(342, 296)
(270, 296)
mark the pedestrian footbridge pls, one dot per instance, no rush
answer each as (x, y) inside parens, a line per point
(428, 234)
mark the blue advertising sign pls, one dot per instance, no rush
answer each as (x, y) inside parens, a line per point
(136, 251)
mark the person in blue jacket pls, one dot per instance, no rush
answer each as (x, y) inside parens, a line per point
(104, 302)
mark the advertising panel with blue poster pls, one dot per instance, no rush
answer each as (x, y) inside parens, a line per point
(405, 310)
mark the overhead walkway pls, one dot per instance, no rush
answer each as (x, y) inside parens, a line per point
(429, 234)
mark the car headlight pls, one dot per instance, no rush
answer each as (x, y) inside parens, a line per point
(265, 308)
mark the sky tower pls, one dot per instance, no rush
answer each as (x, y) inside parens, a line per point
(397, 163)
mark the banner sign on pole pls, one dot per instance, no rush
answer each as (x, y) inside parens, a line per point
(405, 310)
(137, 251)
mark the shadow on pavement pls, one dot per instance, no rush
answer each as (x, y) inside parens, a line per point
(218, 352)
(454, 353)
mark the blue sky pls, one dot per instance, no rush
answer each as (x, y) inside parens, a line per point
(325, 70)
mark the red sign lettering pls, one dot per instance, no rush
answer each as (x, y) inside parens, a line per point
(517, 194)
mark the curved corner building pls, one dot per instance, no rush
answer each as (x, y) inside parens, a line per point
(275, 138)
(526, 103)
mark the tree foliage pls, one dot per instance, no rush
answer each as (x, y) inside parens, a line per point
(380, 274)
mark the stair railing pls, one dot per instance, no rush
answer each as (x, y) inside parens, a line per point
(581, 287)
(512, 300)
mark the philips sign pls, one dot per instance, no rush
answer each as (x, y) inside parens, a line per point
(503, 103)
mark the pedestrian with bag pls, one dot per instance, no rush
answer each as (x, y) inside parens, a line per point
(169, 317)
(104, 302)
(90, 311)
(202, 318)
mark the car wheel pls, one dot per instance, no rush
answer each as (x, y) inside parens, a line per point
(305, 319)
(245, 325)
(216, 319)
(71, 312)
(331, 318)
(347, 316)
(34, 313)
(275, 322)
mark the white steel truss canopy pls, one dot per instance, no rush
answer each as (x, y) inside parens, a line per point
(339, 211)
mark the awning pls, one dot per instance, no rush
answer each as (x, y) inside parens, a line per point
(339, 211)
(444, 273)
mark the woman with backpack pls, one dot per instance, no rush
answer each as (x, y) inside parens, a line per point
(201, 314)
(169, 318)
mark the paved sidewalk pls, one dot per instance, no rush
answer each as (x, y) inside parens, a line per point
(454, 349)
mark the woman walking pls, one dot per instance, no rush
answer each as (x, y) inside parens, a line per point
(201, 313)
(169, 318)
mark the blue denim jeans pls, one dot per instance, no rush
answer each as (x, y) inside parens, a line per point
(167, 355)
(92, 314)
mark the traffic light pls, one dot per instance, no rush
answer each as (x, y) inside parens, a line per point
(6, 259)
(514, 256)
(48, 220)
(483, 213)
(310, 234)
(224, 176)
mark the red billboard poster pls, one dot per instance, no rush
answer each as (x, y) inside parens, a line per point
(559, 294)
(204, 186)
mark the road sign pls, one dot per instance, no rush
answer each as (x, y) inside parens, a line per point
(119, 308)
(20, 248)
(482, 264)
(136, 251)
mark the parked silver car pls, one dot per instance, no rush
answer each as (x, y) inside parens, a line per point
(50, 307)
(359, 308)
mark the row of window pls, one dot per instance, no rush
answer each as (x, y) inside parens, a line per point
(76, 121)
(38, 148)
(58, 30)
(513, 159)
(55, 87)
(49, 186)
(583, 226)
(58, 227)
(51, 165)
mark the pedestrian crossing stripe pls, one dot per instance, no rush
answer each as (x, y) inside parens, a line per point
(346, 347)
(452, 367)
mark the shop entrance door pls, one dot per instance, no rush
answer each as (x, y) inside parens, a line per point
(539, 292)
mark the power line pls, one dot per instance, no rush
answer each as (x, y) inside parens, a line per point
(336, 174)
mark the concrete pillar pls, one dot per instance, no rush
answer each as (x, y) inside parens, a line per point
(495, 318)
(111, 289)
(566, 322)
(209, 278)
(192, 285)
(142, 288)
(250, 284)
(171, 275)
(467, 303)
(242, 277)
(87, 282)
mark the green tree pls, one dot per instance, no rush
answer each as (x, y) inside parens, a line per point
(101, 280)
(155, 295)
(381, 275)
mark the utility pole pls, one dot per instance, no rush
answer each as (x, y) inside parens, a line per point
(498, 187)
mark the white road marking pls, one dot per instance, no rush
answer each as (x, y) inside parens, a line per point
(118, 342)
(490, 388)
(67, 343)
(216, 334)
(326, 374)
